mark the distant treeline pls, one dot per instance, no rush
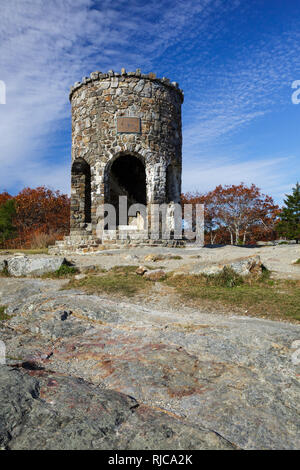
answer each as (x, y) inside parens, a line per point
(236, 214)
(241, 214)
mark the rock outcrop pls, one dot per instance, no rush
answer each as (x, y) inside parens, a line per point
(155, 275)
(250, 265)
(199, 380)
(22, 265)
(53, 411)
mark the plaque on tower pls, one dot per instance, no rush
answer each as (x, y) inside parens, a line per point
(130, 125)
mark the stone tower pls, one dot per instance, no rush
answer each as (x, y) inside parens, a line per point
(126, 141)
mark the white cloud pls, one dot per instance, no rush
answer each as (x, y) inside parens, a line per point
(47, 46)
(266, 173)
(254, 82)
(228, 97)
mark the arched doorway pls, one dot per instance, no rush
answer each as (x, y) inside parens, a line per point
(126, 177)
(81, 193)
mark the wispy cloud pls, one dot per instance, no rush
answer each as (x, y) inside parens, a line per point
(267, 173)
(229, 96)
(46, 46)
(254, 82)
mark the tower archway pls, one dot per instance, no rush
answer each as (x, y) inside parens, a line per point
(126, 177)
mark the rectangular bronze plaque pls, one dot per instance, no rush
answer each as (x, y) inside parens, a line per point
(129, 124)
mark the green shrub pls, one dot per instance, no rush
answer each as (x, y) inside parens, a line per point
(265, 274)
(4, 272)
(226, 278)
(7, 213)
(64, 271)
(3, 315)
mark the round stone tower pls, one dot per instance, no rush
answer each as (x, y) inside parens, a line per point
(126, 141)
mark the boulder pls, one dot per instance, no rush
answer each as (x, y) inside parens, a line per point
(141, 270)
(155, 275)
(152, 257)
(210, 270)
(244, 267)
(35, 266)
(78, 277)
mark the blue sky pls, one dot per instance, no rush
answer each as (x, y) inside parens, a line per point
(235, 60)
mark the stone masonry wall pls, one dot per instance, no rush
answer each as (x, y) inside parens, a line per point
(97, 102)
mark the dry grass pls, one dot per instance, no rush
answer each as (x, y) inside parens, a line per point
(36, 251)
(263, 297)
(38, 244)
(3, 315)
(189, 326)
(118, 280)
(43, 240)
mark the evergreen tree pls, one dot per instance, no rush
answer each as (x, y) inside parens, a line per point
(289, 225)
(7, 213)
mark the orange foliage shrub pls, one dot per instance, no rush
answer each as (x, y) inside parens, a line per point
(4, 197)
(236, 214)
(42, 216)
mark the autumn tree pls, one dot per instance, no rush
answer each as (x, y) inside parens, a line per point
(210, 222)
(34, 218)
(235, 214)
(240, 209)
(289, 224)
(42, 208)
(5, 196)
(41, 211)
